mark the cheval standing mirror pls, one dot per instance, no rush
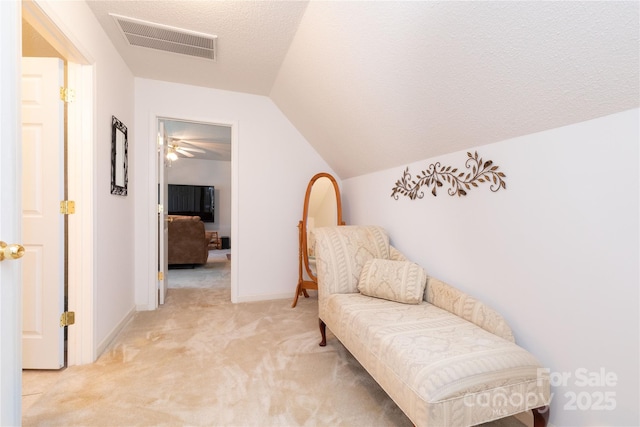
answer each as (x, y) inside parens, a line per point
(322, 208)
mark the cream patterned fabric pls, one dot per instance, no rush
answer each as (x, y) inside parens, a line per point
(440, 369)
(457, 302)
(448, 361)
(396, 255)
(341, 252)
(400, 281)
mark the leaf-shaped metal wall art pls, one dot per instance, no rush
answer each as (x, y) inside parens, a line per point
(478, 171)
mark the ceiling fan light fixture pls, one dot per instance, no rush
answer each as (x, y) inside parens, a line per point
(171, 155)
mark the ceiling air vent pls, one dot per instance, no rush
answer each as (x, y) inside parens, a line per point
(163, 37)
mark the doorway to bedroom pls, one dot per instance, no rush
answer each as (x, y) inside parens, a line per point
(197, 188)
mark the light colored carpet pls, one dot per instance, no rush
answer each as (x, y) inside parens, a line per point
(216, 273)
(201, 361)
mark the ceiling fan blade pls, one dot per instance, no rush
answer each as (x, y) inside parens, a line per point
(184, 141)
(191, 143)
(184, 153)
(195, 150)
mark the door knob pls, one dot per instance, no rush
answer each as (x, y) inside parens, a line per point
(10, 251)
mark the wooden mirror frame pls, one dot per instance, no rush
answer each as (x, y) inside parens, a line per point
(303, 284)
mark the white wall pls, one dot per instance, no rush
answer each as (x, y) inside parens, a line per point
(274, 165)
(114, 95)
(556, 253)
(207, 172)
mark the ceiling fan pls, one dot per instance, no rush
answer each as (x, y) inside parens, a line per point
(175, 149)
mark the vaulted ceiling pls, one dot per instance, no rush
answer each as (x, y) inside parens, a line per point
(373, 85)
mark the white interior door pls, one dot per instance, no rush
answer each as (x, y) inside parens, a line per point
(43, 225)
(163, 230)
(10, 230)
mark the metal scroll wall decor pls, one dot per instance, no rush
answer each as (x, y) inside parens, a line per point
(478, 172)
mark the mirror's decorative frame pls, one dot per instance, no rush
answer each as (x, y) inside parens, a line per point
(435, 175)
(303, 256)
(119, 157)
(305, 213)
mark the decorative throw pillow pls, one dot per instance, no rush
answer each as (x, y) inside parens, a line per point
(400, 281)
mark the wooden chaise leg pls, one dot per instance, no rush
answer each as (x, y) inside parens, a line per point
(540, 416)
(323, 332)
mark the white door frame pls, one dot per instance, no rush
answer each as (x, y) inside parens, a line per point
(81, 345)
(81, 348)
(163, 232)
(10, 215)
(152, 260)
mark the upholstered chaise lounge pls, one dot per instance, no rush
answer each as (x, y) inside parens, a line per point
(446, 359)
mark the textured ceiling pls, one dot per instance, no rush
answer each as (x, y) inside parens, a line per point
(253, 39)
(374, 85)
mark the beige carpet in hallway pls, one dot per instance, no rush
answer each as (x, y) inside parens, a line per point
(216, 273)
(201, 361)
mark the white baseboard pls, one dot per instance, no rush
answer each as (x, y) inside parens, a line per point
(144, 307)
(265, 297)
(115, 331)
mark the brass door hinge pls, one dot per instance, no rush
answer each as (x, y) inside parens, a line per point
(67, 95)
(67, 207)
(160, 275)
(67, 318)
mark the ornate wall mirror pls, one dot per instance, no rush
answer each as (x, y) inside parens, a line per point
(119, 161)
(322, 208)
